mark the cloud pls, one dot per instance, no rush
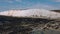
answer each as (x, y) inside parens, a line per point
(44, 6)
(56, 0)
(18, 0)
(27, 5)
(12, 1)
(9, 1)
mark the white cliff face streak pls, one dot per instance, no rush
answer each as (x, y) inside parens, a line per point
(34, 13)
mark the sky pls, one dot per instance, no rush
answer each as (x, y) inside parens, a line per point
(29, 4)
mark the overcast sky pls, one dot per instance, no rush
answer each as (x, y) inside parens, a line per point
(29, 4)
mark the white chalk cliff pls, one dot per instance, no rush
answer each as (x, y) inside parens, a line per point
(34, 13)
